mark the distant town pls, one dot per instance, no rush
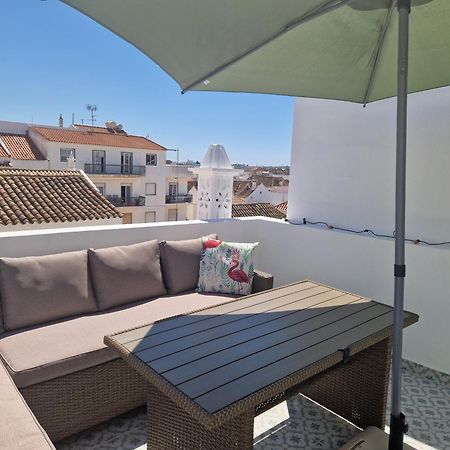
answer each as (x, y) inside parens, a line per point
(82, 174)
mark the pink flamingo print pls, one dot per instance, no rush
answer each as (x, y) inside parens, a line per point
(236, 274)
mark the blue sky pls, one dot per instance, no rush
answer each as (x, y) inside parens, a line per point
(55, 60)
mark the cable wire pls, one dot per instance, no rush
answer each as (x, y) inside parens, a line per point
(371, 232)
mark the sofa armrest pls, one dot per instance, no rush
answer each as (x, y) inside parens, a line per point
(19, 429)
(262, 281)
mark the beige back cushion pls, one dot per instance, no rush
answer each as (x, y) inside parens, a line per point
(40, 289)
(180, 262)
(126, 274)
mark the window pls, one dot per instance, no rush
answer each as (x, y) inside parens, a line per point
(126, 162)
(173, 190)
(101, 188)
(150, 188)
(64, 153)
(98, 161)
(172, 215)
(125, 191)
(151, 159)
(150, 216)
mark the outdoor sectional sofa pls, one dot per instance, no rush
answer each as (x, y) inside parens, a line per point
(56, 374)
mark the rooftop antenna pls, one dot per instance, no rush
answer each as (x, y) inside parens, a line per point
(92, 109)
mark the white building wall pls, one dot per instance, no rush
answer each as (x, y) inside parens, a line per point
(358, 264)
(343, 164)
(262, 194)
(27, 164)
(59, 225)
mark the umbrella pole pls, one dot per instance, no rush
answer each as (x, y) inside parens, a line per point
(397, 424)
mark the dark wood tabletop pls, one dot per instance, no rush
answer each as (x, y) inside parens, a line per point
(221, 355)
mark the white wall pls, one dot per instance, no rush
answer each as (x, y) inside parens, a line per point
(343, 164)
(358, 264)
(262, 194)
(59, 225)
(28, 163)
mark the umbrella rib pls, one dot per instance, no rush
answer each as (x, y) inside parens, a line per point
(379, 50)
(325, 8)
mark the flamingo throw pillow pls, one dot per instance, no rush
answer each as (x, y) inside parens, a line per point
(226, 267)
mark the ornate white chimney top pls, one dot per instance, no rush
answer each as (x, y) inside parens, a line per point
(216, 158)
(215, 184)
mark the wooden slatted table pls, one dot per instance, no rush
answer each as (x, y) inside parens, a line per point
(211, 371)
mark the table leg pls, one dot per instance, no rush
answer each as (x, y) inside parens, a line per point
(356, 390)
(171, 428)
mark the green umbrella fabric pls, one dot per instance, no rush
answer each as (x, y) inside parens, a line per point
(304, 48)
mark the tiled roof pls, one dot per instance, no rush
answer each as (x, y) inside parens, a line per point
(18, 146)
(103, 130)
(257, 209)
(283, 206)
(48, 196)
(238, 200)
(91, 136)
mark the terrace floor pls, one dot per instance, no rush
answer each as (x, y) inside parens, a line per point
(300, 424)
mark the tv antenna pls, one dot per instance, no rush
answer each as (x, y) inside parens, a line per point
(92, 109)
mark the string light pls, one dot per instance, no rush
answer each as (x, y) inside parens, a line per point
(373, 233)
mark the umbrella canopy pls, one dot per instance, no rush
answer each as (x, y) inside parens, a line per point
(310, 48)
(352, 50)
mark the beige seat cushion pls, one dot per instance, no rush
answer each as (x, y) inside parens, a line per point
(180, 262)
(40, 289)
(19, 429)
(126, 274)
(51, 351)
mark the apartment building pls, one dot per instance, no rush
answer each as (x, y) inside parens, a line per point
(130, 171)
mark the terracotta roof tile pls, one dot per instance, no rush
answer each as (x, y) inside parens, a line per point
(283, 206)
(18, 146)
(238, 200)
(37, 196)
(91, 136)
(257, 209)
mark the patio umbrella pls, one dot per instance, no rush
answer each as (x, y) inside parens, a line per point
(336, 49)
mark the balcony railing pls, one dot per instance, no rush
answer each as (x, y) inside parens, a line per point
(114, 169)
(117, 200)
(184, 198)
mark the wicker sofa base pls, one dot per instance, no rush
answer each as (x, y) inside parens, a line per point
(75, 402)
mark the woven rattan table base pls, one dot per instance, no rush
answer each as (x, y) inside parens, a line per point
(169, 428)
(356, 390)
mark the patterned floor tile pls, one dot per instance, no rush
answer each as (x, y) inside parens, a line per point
(300, 424)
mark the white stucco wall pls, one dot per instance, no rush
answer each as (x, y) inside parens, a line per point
(357, 264)
(262, 194)
(59, 225)
(343, 164)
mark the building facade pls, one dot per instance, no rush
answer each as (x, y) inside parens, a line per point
(130, 171)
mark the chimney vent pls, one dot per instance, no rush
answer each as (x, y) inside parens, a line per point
(61, 121)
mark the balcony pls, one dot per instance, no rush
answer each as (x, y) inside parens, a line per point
(119, 201)
(114, 169)
(294, 252)
(181, 198)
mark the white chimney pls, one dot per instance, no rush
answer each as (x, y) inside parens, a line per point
(61, 121)
(215, 184)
